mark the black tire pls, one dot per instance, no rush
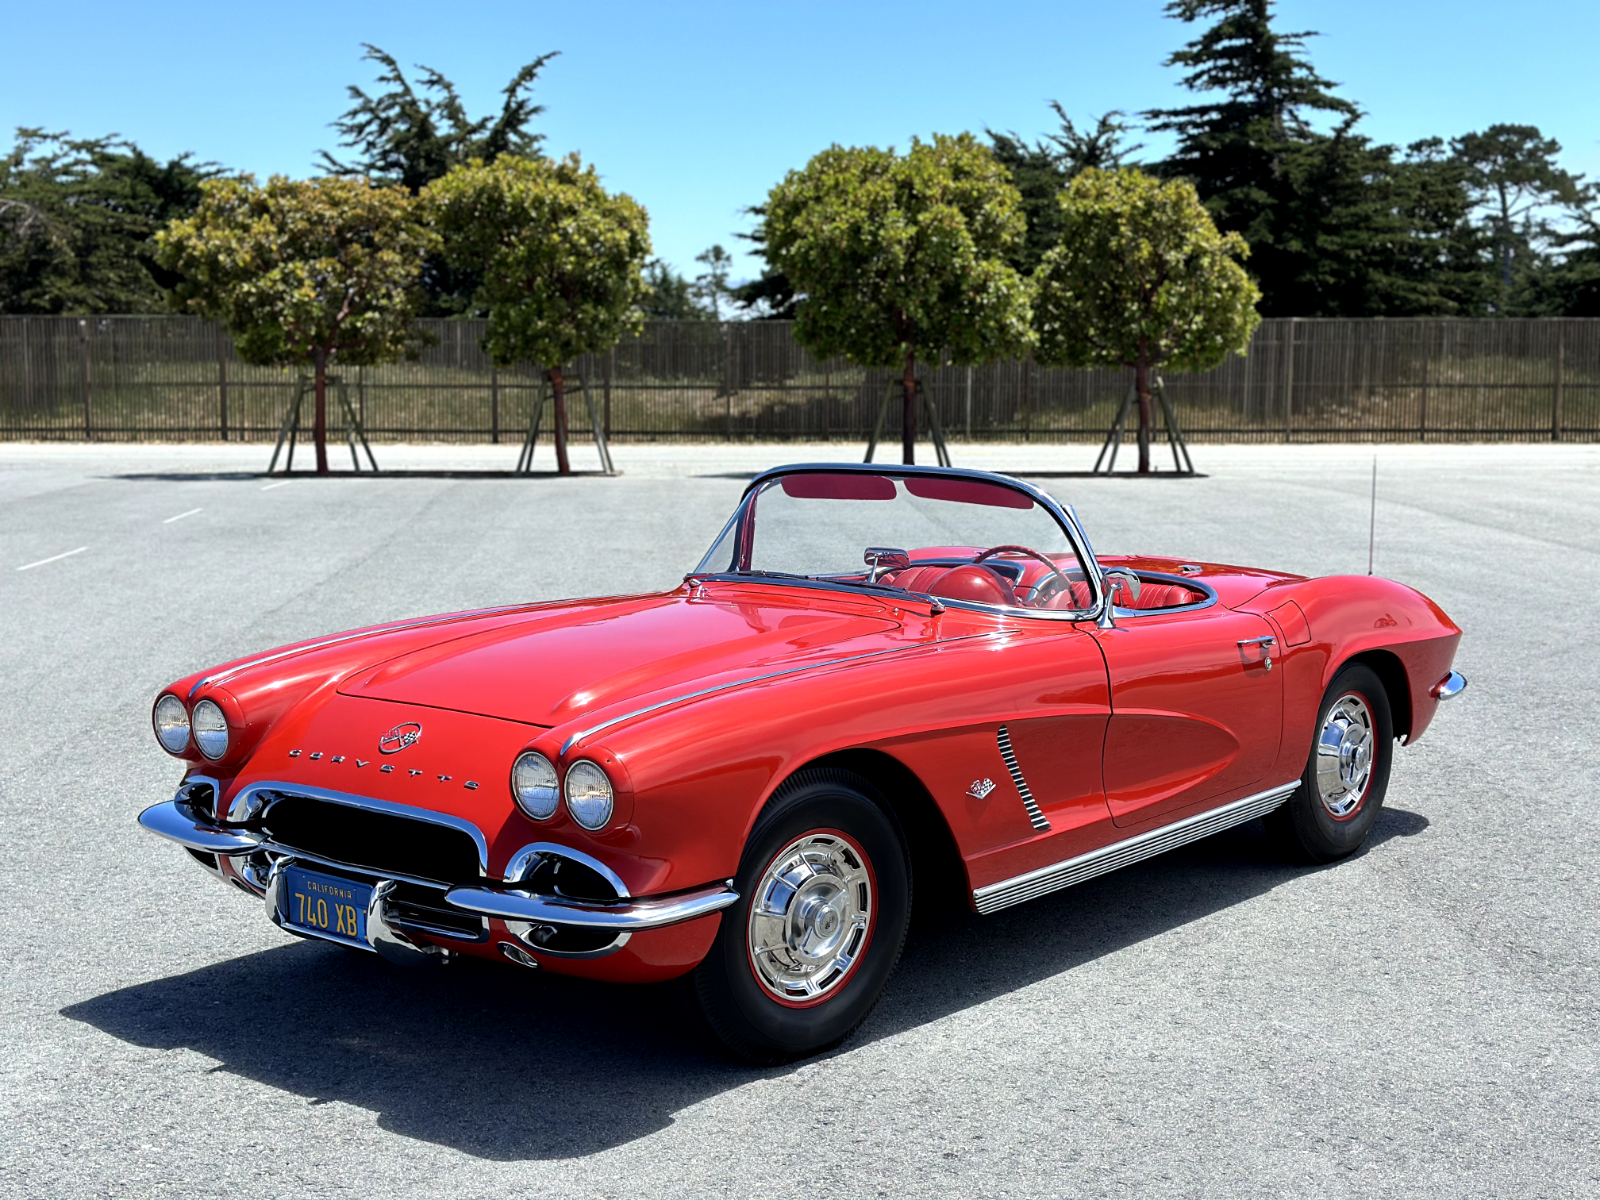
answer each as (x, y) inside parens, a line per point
(1305, 827)
(725, 991)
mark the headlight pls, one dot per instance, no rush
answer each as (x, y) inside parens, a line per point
(210, 729)
(172, 724)
(588, 794)
(533, 783)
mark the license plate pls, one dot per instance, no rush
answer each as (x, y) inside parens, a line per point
(326, 905)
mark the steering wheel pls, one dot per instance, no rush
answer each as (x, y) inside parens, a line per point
(1037, 596)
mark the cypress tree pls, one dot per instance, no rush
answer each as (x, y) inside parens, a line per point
(1236, 149)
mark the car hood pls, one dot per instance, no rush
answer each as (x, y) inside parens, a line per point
(557, 663)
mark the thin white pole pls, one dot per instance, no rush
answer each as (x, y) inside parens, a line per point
(1372, 521)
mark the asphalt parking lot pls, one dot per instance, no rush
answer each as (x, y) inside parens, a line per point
(1419, 1020)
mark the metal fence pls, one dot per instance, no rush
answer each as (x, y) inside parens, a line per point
(178, 378)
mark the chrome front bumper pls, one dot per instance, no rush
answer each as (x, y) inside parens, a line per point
(178, 822)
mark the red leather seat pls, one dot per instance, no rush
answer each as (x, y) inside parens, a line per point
(982, 586)
(968, 582)
(1078, 597)
(977, 584)
(1151, 596)
(914, 579)
(1161, 595)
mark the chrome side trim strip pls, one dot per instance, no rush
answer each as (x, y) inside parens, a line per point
(650, 912)
(735, 683)
(995, 896)
(1035, 817)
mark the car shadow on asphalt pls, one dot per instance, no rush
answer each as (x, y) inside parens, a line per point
(503, 1064)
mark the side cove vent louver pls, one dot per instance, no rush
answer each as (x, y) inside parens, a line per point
(1028, 802)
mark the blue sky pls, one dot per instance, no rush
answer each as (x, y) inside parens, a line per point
(696, 110)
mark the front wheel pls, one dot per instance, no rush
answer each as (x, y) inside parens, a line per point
(824, 901)
(1347, 774)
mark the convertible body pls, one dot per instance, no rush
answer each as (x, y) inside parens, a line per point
(1027, 720)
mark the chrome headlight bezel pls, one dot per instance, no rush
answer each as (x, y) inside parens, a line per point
(172, 723)
(209, 729)
(591, 798)
(537, 799)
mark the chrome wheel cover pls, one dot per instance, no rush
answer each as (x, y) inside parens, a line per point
(811, 917)
(1346, 749)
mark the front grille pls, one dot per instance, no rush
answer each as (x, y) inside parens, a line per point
(382, 843)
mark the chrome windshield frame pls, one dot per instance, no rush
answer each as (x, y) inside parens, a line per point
(1064, 515)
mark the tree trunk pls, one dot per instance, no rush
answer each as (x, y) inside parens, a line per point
(1141, 387)
(559, 386)
(908, 412)
(320, 427)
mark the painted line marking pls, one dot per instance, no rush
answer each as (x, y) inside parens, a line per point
(181, 516)
(53, 558)
(270, 486)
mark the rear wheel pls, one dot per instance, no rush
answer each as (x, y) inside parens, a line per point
(1346, 775)
(824, 900)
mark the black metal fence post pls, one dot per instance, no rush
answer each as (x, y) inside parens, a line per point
(165, 377)
(83, 348)
(1556, 397)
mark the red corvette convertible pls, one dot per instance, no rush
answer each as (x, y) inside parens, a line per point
(876, 675)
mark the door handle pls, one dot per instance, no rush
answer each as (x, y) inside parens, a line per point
(1266, 641)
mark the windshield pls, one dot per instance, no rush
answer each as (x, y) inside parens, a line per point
(957, 538)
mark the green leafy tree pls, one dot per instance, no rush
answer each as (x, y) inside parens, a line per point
(411, 135)
(303, 272)
(896, 255)
(77, 219)
(1042, 169)
(711, 286)
(562, 260)
(1515, 183)
(769, 296)
(1567, 282)
(1141, 278)
(1234, 149)
(669, 296)
(1362, 230)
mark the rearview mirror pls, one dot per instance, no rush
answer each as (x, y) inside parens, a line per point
(883, 559)
(1122, 579)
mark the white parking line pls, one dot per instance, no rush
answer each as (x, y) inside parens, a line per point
(280, 483)
(53, 558)
(181, 516)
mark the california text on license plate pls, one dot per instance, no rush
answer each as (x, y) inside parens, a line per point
(326, 905)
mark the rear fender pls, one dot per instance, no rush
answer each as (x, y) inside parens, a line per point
(1408, 640)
